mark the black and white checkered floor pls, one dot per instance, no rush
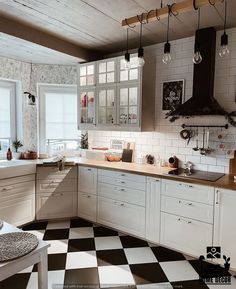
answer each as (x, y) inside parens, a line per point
(84, 255)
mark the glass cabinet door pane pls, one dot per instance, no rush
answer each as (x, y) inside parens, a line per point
(90, 69)
(87, 107)
(133, 96)
(90, 80)
(102, 115)
(124, 96)
(110, 66)
(102, 98)
(102, 78)
(110, 115)
(102, 67)
(91, 107)
(83, 70)
(133, 74)
(133, 115)
(123, 115)
(110, 77)
(110, 98)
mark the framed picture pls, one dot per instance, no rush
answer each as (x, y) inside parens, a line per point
(172, 94)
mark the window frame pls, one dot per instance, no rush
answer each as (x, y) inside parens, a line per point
(12, 86)
(43, 88)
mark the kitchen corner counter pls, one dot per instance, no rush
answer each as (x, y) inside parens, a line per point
(226, 182)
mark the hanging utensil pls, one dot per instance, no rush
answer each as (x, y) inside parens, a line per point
(203, 150)
(196, 148)
(208, 149)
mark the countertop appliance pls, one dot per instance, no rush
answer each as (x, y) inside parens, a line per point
(198, 175)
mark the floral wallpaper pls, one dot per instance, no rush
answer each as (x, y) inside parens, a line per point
(28, 78)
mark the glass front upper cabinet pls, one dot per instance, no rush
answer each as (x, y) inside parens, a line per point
(87, 75)
(107, 71)
(133, 73)
(87, 106)
(128, 108)
(106, 106)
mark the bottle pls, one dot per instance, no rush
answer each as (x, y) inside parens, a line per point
(9, 154)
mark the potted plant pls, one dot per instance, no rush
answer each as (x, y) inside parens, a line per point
(16, 145)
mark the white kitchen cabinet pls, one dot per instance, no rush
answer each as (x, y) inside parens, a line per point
(123, 100)
(87, 180)
(186, 235)
(87, 206)
(224, 223)
(153, 209)
(122, 216)
(87, 196)
(56, 205)
(56, 192)
(17, 200)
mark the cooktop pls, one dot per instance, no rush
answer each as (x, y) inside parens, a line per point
(198, 175)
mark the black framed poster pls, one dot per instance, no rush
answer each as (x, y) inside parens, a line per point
(172, 94)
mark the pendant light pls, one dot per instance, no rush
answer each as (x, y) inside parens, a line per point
(127, 54)
(224, 50)
(197, 57)
(141, 60)
(166, 58)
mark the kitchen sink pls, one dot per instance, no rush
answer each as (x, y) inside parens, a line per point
(197, 175)
(15, 168)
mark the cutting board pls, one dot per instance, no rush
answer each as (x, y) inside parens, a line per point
(127, 154)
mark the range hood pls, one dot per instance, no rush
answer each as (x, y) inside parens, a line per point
(202, 102)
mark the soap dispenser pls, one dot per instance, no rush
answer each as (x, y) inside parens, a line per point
(9, 154)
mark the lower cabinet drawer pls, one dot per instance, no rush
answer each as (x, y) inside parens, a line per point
(56, 185)
(56, 205)
(122, 216)
(186, 235)
(18, 210)
(189, 209)
(122, 194)
(87, 206)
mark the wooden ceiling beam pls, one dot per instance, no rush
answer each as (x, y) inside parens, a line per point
(154, 15)
(21, 30)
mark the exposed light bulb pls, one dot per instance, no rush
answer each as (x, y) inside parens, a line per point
(224, 51)
(141, 60)
(166, 58)
(197, 58)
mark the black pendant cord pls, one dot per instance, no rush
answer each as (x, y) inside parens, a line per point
(198, 20)
(168, 24)
(140, 36)
(225, 16)
(127, 41)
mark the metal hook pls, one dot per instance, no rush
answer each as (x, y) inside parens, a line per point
(148, 15)
(141, 21)
(157, 17)
(126, 21)
(171, 11)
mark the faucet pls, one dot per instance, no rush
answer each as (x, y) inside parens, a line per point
(188, 168)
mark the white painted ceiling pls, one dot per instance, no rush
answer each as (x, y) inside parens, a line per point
(96, 24)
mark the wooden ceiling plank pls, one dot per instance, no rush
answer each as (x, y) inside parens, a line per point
(20, 30)
(181, 7)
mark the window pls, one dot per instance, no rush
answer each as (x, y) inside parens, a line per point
(7, 113)
(58, 117)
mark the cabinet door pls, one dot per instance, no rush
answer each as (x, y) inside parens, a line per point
(122, 216)
(86, 74)
(186, 235)
(129, 105)
(56, 205)
(106, 110)
(153, 209)
(88, 180)
(107, 71)
(87, 106)
(87, 206)
(224, 223)
(131, 75)
(19, 210)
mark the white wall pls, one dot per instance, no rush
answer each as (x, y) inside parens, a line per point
(166, 140)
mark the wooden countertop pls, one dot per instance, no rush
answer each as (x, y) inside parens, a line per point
(226, 182)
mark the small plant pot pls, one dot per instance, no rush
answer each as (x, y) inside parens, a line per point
(16, 156)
